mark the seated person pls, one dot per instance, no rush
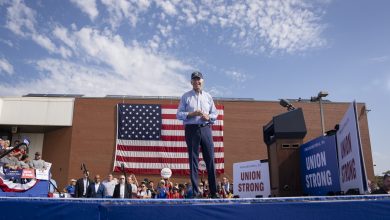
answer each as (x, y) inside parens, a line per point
(24, 162)
(9, 161)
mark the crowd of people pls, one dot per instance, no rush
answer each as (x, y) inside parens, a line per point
(130, 187)
(19, 158)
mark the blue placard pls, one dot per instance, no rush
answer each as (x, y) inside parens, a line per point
(12, 174)
(319, 166)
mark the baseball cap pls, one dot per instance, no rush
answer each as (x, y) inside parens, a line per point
(196, 74)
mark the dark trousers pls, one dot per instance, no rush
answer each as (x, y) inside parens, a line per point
(201, 136)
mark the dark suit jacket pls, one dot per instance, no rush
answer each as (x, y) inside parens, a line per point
(79, 188)
(128, 193)
(91, 192)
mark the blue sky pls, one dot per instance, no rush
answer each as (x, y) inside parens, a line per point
(246, 49)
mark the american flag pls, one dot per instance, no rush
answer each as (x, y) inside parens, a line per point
(149, 138)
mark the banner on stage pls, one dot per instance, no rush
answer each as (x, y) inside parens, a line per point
(12, 174)
(351, 162)
(43, 174)
(251, 179)
(319, 166)
(28, 173)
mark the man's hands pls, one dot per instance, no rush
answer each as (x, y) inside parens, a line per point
(204, 116)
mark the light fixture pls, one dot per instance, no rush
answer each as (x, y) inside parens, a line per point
(318, 98)
(286, 104)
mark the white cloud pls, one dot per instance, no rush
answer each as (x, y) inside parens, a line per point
(236, 76)
(380, 59)
(6, 67)
(21, 21)
(249, 26)
(121, 9)
(88, 7)
(132, 69)
(7, 42)
(167, 6)
(20, 18)
(60, 76)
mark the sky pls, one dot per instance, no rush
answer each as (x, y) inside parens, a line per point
(261, 49)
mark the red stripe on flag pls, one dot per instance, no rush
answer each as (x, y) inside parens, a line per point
(172, 116)
(175, 106)
(158, 171)
(183, 139)
(159, 160)
(181, 127)
(161, 149)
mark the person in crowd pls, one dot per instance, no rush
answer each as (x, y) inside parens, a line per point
(7, 144)
(385, 189)
(1, 143)
(22, 150)
(122, 189)
(144, 193)
(198, 112)
(132, 180)
(82, 185)
(9, 161)
(168, 183)
(109, 185)
(96, 189)
(225, 186)
(71, 188)
(162, 191)
(189, 192)
(37, 162)
(201, 188)
(24, 162)
(175, 193)
(206, 191)
(16, 143)
(152, 189)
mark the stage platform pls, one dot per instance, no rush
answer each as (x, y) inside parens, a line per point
(335, 207)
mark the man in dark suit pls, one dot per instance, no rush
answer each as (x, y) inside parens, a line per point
(82, 186)
(96, 189)
(122, 189)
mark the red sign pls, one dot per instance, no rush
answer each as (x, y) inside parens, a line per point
(28, 173)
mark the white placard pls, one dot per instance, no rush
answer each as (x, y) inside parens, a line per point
(202, 165)
(251, 179)
(349, 152)
(43, 174)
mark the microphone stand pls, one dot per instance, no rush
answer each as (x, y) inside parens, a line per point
(55, 187)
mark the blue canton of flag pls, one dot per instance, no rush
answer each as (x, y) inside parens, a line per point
(139, 122)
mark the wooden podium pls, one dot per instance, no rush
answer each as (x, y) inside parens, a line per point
(284, 135)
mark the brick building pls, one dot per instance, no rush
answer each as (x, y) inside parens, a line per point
(74, 130)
